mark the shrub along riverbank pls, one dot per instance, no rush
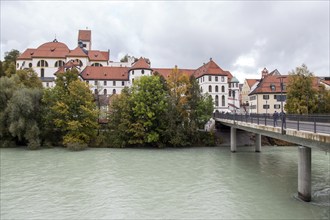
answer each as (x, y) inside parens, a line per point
(154, 112)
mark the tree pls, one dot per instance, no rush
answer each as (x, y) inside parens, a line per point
(323, 100)
(20, 109)
(8, 66)
(71, 111)
(148, 100)
(301, 96)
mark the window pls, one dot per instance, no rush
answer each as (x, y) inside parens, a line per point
(216, 79)
(210, 88)
(210, 78)
(113, 91)
(223, 102)
(95, 91)
(42, 73)
(59, 63)
(229, 93)
(275, 97)
(222, 78)
(201, 89)
(216, 89)
(87, 82)
(253, 98)
(265, 96)
(216, 100)
(132, 72)
(142, 71)
(123, 83)
(97, 64)
(79, 61)
(42, 63)
(104, 82)
(253, 107)
(277, 106)
(272, 87)
(265, 106)
(17, 65)
(222, 88)
(105, 91)
(95, 83)
(114, 83)
(30, 65)
(47, 84)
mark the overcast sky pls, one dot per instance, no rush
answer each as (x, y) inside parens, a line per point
(241, 36)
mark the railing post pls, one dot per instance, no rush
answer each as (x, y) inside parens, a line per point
(265, 120)
(298, 122)
(314, 124)
(258, 118)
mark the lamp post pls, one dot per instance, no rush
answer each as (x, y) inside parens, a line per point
(282, 113)
(266, 107)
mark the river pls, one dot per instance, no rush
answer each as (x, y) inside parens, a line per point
(188, 183)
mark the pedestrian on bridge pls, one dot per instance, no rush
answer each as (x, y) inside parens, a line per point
(283, 118)
(275, 117)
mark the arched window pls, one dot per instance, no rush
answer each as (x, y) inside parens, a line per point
(201, 89)
(79, 61)
(59, 63)
(42, 63)
(105, 92)
(42, 73)
(113, 91)
(30, 65)
(142, 71)
(229, 93)
(222, 88)
(216, 89)
(223, 102)
(216, 100)
(210, 88)
(97, 64)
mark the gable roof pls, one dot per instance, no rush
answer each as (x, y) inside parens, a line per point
(77, 52)
(251, 82)
(141, 64)
(211, 68)
(104, 73)
(84, 35)
(270, 84)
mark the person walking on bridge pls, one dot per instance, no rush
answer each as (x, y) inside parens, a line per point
(275, 117)
(283, 118)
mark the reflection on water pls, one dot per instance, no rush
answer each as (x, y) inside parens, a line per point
(190, 183)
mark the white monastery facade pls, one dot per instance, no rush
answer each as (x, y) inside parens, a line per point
(106, 77)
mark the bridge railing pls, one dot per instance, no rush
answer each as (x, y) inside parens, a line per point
(313, 123)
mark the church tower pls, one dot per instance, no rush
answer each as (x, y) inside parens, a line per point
(85, 39)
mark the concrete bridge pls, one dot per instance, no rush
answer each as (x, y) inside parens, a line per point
(307, 131)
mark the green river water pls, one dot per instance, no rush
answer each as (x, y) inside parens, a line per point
(187, 183)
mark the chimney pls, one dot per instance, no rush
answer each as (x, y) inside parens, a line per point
(264, 73)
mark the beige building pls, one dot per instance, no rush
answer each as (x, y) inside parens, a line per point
(246, 89)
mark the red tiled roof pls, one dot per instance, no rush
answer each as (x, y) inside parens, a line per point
(51, 50)
(141, 64)
(96, 55)
(84, 35)
(105, 73)
(27, 54)
(251, 82)
(77, 52)
(165, 72)
(211, 68)
(265, 84)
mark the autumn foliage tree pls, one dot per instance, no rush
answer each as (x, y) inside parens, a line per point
(301, 96)
(71, 112)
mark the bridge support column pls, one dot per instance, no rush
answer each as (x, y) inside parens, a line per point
(233, 139)
(258, 142)
(304, 173)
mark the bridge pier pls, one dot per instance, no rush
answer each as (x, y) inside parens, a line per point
(233, 146)
(304, 173)
(258, 142)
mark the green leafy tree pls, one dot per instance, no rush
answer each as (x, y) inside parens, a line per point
(301, 96)
(20, 109)
(148, 100)
(71, 111)
(8, 66)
